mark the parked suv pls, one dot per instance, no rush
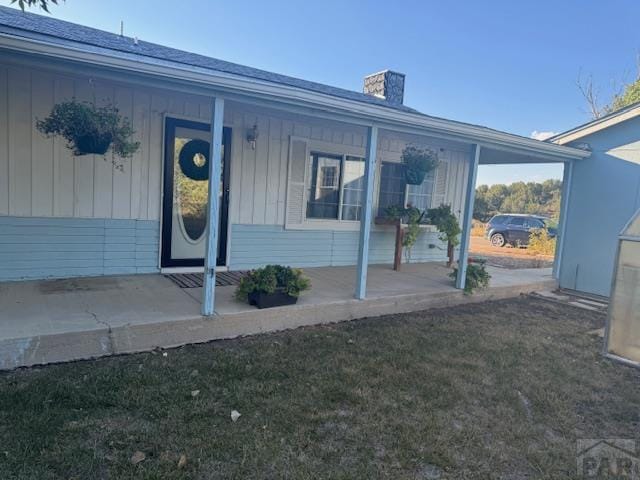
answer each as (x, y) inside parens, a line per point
(515, 229)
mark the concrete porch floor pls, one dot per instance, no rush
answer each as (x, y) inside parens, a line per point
(69, 319)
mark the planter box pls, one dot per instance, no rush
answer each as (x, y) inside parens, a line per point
(268, 300)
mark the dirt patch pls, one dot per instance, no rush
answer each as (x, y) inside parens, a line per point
(508, 257)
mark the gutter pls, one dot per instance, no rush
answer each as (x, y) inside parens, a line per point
(287, 94)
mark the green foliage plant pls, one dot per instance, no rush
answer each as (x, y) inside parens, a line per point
(447, 224)
(476, 277)
(272, 278)
(89, 129)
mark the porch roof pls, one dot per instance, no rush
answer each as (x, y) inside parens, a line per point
(40, 35)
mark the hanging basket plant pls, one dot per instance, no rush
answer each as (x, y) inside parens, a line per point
(90, 130)
(418, 163)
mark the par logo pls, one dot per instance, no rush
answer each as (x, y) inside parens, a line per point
(608, 459)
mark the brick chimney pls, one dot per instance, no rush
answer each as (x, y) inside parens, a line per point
(387, 84)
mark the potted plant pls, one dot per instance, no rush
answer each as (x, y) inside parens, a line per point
(89, 129)
(448, 226)
(272, 286)
(476, 276)
(418, 163)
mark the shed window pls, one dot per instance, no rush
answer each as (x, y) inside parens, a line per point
(336, 185)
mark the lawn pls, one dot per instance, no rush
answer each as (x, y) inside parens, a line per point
(494, 390)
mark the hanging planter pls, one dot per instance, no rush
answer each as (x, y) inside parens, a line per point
(418, 163)
(90, 130)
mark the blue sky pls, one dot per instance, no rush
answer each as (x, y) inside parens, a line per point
(510, 65)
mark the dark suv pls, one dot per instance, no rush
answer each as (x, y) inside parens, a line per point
(515, 229)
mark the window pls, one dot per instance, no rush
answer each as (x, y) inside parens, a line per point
(517, 221)
(419, 196)
(533, 223)
(353, 188)
(336, 185)
(393, 186)
(394, 190)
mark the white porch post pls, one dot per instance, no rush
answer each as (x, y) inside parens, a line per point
(468, 217)
(562, 221)
(367, 212)
(215, 167)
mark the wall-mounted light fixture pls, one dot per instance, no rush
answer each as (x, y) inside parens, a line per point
(252, 136)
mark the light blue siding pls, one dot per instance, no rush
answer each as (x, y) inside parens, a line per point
(605, 192)
(65, 247)
(256, 245)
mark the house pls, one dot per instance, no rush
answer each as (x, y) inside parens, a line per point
(305, 168)
(604, 194)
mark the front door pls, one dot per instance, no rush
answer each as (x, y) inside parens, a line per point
(186, 184)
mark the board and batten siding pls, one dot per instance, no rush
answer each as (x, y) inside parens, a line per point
(39, 176)
(259, 177)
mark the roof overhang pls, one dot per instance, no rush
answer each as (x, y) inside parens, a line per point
(240, 87)
(622, 115)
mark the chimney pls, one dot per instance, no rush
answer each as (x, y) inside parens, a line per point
(387, 84)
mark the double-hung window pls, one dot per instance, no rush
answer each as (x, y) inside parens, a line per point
(395, 192)
(336, 186)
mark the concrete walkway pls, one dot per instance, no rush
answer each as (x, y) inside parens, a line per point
(62, 320)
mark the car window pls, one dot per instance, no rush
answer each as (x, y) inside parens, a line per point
(533, 223)
(517, 221)
(499, 219)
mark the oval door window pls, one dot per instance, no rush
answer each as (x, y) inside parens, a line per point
(191, 172)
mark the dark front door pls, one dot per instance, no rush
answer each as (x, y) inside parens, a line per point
(186, 185)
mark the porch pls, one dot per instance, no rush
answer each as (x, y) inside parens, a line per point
(69, 319)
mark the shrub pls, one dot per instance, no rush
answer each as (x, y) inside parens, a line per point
(541, 243)
(476, 277)
(478, 229)
(89, 129)
(273, 278)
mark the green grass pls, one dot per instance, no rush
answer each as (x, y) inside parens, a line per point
(495, 390)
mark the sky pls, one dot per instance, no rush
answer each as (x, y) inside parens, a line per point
(505, 64)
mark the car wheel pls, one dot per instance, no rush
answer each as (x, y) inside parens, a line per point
(497, 240)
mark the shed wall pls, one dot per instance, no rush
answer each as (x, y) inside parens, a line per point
(605, 193)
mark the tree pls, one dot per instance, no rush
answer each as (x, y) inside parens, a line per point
(631, 94)
(532, 197)
(624, 95)
(43, 4)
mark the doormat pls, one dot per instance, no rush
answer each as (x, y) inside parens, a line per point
(194, 280)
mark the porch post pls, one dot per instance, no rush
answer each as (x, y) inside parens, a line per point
(367, 212)
(567, 176)
(468, 217)
(211, 253)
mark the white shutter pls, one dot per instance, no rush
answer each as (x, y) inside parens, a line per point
(440, 184)
(296, 182)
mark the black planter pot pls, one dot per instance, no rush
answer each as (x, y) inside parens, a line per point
(93, 144)
(268, 300)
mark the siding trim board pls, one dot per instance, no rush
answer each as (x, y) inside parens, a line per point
(35, 247)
